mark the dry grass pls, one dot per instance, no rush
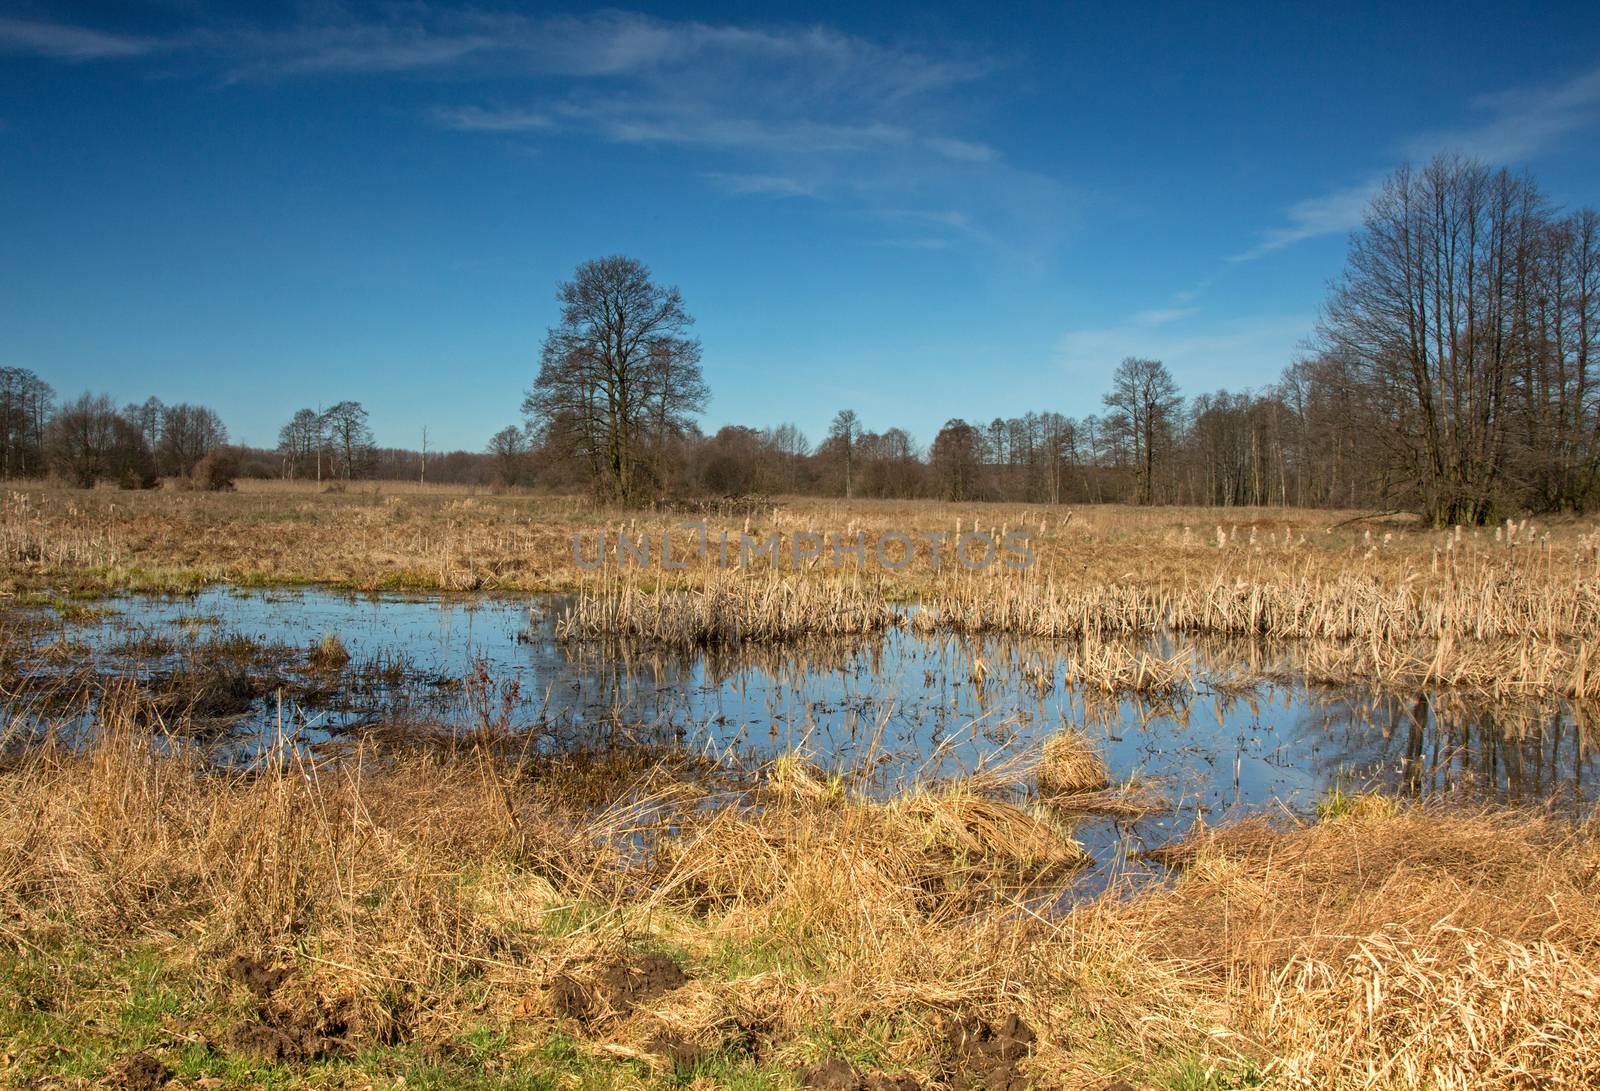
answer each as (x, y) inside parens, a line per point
(725, 612)
(420, 889)
(1069, 764)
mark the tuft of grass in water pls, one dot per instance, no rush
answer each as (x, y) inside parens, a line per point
(329, 654)
(1339, 803)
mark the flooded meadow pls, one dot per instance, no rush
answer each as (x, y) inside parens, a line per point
(1239, 731)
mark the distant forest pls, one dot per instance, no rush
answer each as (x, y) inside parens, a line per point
(1453, 374)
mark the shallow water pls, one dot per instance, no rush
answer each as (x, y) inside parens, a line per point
(906, 700)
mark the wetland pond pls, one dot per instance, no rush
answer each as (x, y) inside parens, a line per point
(916, 705)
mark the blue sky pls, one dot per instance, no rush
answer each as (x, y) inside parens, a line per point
(918, 212)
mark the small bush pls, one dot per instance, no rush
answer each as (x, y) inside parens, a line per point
(215, 472)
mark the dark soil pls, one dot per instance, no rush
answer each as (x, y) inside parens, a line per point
(985, 1055)
(141, 1072)
(281, 1033)
(678, 1050)
(306, 1030)
(618, 989)
(258, 976)
(840, 1075)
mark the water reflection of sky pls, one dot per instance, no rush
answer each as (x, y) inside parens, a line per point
(1216, 751)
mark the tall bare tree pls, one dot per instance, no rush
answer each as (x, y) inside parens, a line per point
(843, 432)
(618, 374)
(957, 458)
(1432, 310)
(188, 434)
(509, 448)
(349, 437)
(25, 402)
(299, 440)
(82, 439)
(1143, 402)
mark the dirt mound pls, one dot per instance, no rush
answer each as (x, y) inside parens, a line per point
(985, 1055)
(282, 1033)
(257, 975)
(141, 1072)
(840, 1075)
(618, 989)
(305, 1030)
(680, 1051)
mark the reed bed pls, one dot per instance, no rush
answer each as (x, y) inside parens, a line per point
(1502, 669)
(725, 612)
(1048, 610)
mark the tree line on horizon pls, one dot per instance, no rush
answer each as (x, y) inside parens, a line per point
(1453, 373)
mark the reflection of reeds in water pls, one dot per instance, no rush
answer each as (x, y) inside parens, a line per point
(1126, 667)
(1445, 742)
(790, 663)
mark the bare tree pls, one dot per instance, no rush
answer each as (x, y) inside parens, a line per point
(791, 447)
(510, 447)
(24, 411)
(349, 437)
(299, 441)
(1432, 311)
(82, 439)
(618, 374)
(146, 416)
(957, 455)
(844, 431)
(1143, 402)
(188, 434)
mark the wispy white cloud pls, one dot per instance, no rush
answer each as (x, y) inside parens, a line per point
(604, 44)
(1518, 124)
(68, 43)
(759, 185)
(1512, 127)
(916, 242)
(1161, 316)
(767, 110)
(1333, 213)
(478, 119)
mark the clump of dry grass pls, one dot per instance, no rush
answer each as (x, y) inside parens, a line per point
(1398, 946)
(329, 654)
(1070, 764)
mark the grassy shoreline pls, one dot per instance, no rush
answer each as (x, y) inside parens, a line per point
(469, 914)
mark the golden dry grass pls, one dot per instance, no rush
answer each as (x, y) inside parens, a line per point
(419, 888)
(1069, 764)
